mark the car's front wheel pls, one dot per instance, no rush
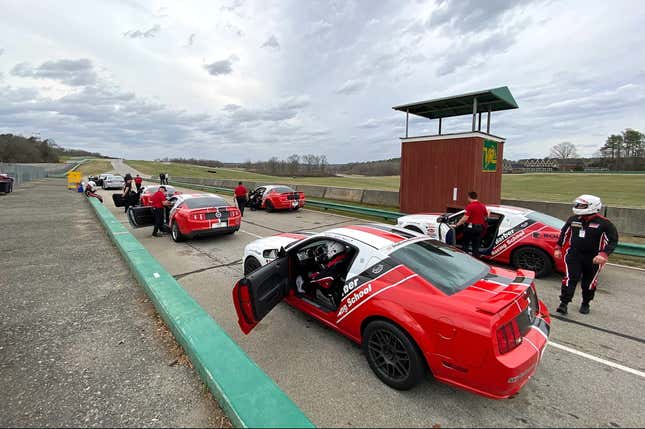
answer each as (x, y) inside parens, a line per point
(534, 259)
(175, 233)
(393, 355)
(251, 264)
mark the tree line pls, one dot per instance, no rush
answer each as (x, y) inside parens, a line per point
(293, 166)
(622, 151)
(20, 149)
(193, 161)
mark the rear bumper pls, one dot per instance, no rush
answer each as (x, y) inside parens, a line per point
(287, 205)
(207, 232)
(502, 376)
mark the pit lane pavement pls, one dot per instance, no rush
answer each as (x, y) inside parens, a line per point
(329, 379)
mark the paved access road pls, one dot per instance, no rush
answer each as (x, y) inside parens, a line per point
(80, 344)
(328, 377)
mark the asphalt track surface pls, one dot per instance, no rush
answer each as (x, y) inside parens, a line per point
(578, 383)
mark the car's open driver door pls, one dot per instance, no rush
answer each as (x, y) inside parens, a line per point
(140, 216)
(257, 294)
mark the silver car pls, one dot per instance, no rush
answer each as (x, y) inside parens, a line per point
(113, 182)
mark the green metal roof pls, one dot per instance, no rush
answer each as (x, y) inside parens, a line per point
(495, 99)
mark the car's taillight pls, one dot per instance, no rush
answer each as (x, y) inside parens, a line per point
(233, 212)
(199, 216)
(508, 337)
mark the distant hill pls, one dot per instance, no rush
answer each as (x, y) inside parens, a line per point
(14, 148)
(386, 167)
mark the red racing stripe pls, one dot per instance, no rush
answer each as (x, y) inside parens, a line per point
(395, 238)
(291, 235)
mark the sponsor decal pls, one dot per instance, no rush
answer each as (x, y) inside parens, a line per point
(521, 375)
(368, 275)
(594, 225)
(509, 237)
(576, 224)
(218, 214)
(377, 269)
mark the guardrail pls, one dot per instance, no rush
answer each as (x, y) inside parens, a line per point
(629, 249)
(248, 396)
(64, 173)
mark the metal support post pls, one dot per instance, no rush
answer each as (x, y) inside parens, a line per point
(488, 120)
(439, 126)
(479, 123)
(407, 114)
(474, 112)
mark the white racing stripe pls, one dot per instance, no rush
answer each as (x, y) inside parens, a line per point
(599, 360)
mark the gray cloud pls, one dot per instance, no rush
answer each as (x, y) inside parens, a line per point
(221, 67)
(143, 34)
(1, 51)
(191, 39)
(470, 16)
(271, 42)
(351, 86)
(71, 72)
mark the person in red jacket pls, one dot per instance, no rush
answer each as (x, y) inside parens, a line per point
(475, 220)
(137, 181)
(240, 193)
(159, 202)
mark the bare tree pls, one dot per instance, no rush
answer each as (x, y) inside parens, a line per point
(564, 150)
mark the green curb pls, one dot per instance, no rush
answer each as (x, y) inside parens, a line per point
(248, 396)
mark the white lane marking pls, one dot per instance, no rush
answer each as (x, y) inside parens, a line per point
(251, 234)
(625, 266)
(599, 360)
(155, 275)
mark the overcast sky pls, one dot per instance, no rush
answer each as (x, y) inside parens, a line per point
(238, 80)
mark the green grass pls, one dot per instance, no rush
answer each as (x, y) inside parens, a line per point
(95, 167)
(185, 170)
(622, 190)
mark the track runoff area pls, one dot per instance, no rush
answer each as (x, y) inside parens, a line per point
(592, 373)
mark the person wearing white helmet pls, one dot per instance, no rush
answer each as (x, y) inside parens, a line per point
(588, 239)
(90, 191)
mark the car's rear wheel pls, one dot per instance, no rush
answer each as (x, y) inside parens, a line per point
(534, 259)
(269, 206)
(251, 264)
(175, 233)
(392, 355)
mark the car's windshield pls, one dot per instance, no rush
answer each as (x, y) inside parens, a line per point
(204, 202)
(282, 189)
(551, 221)
(115, 178)
(448, 269)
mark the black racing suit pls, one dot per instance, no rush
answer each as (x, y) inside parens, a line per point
(586, 237)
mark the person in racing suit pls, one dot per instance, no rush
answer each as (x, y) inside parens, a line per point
(590, 238)
(90, 191)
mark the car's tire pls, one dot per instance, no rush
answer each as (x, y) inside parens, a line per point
(414, 228)
(251, 264)
(269, 206)
(393, 355)
(534, 259)
(175, 233)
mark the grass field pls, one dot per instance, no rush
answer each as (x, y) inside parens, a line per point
(614, 189)
(95, 167)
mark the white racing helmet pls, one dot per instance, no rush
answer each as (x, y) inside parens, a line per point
(91, 186)
(334, 249)
(586, 205)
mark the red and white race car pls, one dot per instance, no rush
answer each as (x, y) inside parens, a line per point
(412, 302)
(520, 237)
(192, 215)
(276, 197)
(147, 191)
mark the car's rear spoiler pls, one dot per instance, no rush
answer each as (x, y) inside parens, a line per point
(501, 300)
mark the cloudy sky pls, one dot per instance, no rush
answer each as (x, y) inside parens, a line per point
(239, 79)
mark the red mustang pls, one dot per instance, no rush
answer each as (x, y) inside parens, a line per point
(192, 215)
(276, 197)
(147, 191)
(415, 304)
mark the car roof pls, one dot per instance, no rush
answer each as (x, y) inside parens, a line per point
(376, 235)
(275, 186)
(508, 209)
(191, 196)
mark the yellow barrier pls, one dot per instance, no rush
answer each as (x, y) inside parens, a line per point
(73, 179)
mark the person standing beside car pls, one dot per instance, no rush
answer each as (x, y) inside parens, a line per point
(590, 238)
(240, 193)
(475, 220)
(127, 193)
(159, 203)
(138, 181)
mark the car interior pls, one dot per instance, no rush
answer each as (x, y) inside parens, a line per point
(488, 240)
(255, 198)
(320, 269)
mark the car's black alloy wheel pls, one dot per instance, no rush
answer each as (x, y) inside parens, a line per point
(269, 206)
(392, 355)
(251, 264)
(534, 259)
(176, 233)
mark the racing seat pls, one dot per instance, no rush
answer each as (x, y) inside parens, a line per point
(330, 278)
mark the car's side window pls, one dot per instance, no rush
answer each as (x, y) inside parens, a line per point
(455, 218)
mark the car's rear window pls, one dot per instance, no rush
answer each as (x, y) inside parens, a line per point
(116, 178)
(551, 221)
(282, 189)
(204, 202)
(448, 269)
